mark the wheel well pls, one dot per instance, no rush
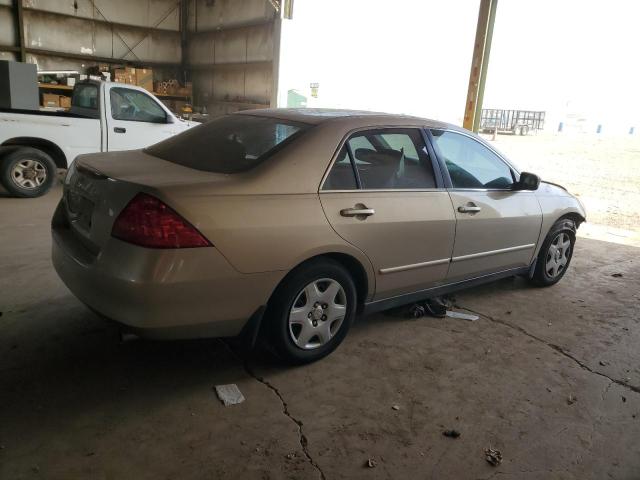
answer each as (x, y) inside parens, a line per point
(576, 217)
(354, 267)
(357, 271)
(48, 147)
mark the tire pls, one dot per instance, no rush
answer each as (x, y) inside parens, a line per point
(27, 172)
(524, 130)
(552, 262)
(302, 332)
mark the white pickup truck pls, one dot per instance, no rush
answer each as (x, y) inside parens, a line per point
(104, 117)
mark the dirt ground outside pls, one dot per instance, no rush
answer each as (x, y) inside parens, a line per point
(603, 171)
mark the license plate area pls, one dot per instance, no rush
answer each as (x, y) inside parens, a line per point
(80, 210)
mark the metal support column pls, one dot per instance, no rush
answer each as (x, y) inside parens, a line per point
(18, 18)
(184, 39)
(479, 64)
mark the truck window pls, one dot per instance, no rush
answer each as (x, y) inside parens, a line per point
(85, 96)
(229, 144)
(135, 106)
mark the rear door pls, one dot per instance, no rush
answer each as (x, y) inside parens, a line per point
(497, 227)
(383, 196)
(135, 119)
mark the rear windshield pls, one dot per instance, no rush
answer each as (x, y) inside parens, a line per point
(229, 144)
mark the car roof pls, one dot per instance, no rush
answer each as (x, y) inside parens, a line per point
(355, 118)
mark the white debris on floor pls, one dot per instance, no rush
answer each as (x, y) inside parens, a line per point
(229, 394)
(462, 316)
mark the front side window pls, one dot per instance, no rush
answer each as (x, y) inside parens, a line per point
(229, 144)
(469, 163)
(390, 158)
(135, 106)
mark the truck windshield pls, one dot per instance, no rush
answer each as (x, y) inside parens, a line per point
(229, 144)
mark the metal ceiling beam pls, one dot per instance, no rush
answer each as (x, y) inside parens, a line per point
(94, 58)
(101, 21)
(9, 48)
(231, 66)
(239, 26)
(479, 64)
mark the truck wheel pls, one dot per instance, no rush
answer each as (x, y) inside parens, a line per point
(27, 172)
(524, 130)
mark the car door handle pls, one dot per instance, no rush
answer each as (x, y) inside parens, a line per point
(470, 208)
(357, 212)
(119, 129)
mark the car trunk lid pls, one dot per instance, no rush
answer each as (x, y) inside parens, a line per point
(98, 187)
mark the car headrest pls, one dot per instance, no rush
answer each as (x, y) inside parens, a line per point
(384, 157)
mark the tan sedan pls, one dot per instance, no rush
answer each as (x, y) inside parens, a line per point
(288, 223)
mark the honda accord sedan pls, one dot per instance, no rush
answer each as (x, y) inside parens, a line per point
(289, 223)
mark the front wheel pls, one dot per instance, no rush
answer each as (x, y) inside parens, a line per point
(555, 254)
(311, 311)
(27, 172)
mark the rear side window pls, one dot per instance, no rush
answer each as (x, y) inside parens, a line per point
(394, 158)
(341, 176)
(229, 144)
(85, 96)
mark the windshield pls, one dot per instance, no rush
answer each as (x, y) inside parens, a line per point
(229, 144)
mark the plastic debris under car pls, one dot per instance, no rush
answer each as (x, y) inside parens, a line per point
(229, 394)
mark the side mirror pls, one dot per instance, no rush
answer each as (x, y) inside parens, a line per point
(528, 181)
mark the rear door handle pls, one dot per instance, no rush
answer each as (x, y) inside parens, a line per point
(119, 129)
(357, 212)
(469, 208)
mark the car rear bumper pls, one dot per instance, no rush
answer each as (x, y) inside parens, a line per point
(181, 293)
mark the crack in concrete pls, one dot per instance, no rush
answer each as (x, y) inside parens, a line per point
(558, 349)
(302, 438)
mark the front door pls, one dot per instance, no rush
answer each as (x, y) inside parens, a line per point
(135, 120)
(381, 195)
(497, 227)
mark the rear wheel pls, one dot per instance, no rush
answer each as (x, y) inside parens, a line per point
(555, 255)
(312, 311)
(524, 130)
(27, 172)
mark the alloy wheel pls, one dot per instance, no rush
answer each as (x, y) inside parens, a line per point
(317, 313)
(558, 255)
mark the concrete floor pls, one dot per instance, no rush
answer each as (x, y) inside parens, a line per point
(550, 377)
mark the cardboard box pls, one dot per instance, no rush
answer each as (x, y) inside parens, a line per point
(50, 100)
(123, 75)
(65, 102)
(144, 78)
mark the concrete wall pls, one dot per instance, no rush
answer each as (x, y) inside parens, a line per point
(232, 47)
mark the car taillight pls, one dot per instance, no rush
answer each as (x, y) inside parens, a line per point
(148, 222)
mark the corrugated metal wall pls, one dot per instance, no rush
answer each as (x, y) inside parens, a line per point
(64, 34)
(230, 56)
(232, 47)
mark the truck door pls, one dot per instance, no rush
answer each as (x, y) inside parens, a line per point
(135, 119)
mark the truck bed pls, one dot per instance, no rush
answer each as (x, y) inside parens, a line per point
(44, 113)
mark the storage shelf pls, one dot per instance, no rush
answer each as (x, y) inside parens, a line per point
(54, 87)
